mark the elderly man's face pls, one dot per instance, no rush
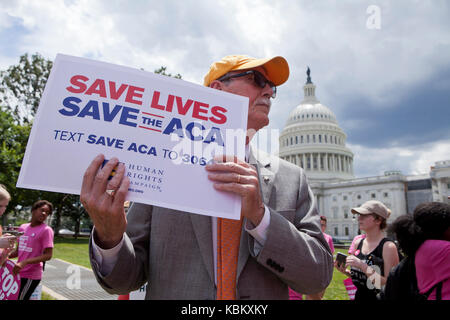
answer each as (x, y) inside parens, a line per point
(259, 98)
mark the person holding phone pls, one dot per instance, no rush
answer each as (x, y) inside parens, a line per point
(375, 255)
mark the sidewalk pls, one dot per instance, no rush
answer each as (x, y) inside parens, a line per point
(66, 281)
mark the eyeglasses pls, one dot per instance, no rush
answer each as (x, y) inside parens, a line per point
(258, 78)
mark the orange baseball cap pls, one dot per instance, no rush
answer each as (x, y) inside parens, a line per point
(277, 68)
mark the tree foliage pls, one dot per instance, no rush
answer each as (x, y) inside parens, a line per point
(22, 86)
(162, 71)
(13, 140)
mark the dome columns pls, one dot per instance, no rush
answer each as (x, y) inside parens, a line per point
(322, 162)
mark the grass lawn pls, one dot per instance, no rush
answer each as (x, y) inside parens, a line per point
(72, 250)
(46, 296)
(336, 289)
(76, 251)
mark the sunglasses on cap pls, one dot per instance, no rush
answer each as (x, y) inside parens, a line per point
(258, 78)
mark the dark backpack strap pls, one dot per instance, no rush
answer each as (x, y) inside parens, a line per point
(439, 291)
(438, 287)
(360, 244)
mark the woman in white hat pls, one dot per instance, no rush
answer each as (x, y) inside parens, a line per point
(375, 255)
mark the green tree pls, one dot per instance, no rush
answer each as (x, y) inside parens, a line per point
(22, 86)
(162, 71)
(13, 139)
(75, 211)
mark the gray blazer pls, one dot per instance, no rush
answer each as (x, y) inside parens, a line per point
(172, 250)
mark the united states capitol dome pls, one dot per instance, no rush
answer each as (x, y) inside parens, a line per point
(313, 140)
(311, 112)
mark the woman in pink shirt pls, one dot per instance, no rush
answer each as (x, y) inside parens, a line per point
(35, 247)
(425, 235)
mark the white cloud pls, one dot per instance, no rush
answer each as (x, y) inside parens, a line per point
(416, 160)
(348, 59)
(426, 157)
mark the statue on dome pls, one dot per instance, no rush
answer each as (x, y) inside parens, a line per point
(308, 73)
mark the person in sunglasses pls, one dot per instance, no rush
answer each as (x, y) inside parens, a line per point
(276, 244)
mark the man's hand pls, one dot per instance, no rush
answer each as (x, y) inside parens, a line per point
(106, 210)
(236, 176)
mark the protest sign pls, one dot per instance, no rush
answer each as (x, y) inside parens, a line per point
(9, 283)
(164, 130)
(350, 287)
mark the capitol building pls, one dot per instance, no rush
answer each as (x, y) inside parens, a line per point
(313, 140)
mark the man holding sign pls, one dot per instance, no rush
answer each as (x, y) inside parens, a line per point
(277, 242)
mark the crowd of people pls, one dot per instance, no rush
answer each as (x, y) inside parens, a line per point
(420, 240)
(277, 250)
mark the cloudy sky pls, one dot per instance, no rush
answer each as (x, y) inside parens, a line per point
(383, 67)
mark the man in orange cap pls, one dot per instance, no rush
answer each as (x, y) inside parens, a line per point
(277, 243)
(254, 78)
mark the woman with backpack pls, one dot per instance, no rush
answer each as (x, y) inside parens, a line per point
(375, 255)
(424, 237)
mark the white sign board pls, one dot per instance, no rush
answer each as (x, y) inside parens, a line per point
(164, 130)
(138, 294)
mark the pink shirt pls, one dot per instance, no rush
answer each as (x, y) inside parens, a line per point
(353, 246)
(32, 244)
(294, 295)
(433, 266)
(329, 240)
